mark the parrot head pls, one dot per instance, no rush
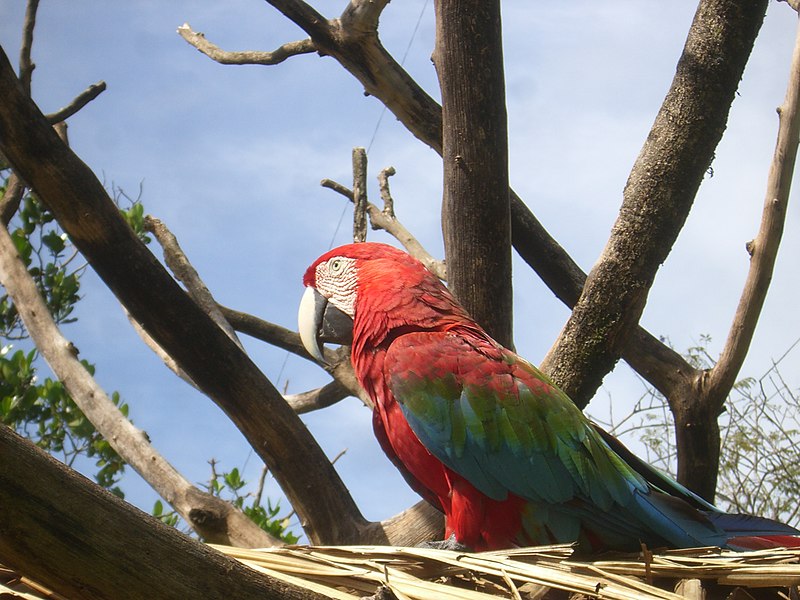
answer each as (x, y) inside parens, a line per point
(328, 306)
(369, 288)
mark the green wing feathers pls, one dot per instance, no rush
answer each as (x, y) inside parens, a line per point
(497, 421)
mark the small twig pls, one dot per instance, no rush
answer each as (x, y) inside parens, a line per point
(81, 100)
(9, 204)
(359, 195)
(362, 15)
(337, 187)
(249, 57)
(386, 195)
(316, 399)
(260, 488)
(385, 219)
(265, 331)
(26, 65)
(170, 362)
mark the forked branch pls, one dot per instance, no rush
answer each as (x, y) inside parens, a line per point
(212, 517)
(763, 250)
(385, 219)
(248, 57)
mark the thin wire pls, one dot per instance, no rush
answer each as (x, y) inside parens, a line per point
(380, 117)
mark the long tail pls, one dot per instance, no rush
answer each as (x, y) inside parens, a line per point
(746, 532)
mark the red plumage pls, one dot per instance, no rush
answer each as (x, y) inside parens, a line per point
(406, 324)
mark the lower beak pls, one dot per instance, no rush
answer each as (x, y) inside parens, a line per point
(321, 322)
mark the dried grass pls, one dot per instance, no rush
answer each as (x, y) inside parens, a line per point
(352, 572)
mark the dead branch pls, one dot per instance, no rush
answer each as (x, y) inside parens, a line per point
(217, 54)
(265, 331)
(385, 219)
(359, 195)
(81, 100)
(658, 196)
(763, 250)
(86, 213)
(9, 204)
(211, 517)
(338, 361)
(26, 65)
(148, 340)
(386, 194)
(316, 399)
(697, 404)
(185, 273)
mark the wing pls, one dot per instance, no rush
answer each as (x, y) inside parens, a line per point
(498, 422)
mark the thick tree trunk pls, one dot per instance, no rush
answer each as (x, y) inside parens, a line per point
(659, 194)
(475, 210)
(199, 347)
(69, 534)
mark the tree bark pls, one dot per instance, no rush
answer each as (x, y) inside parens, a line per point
(475, 209)
(697, 406)
(211, 517)
(61, 530)
(212, 360)
(354, 43)
(659, 194)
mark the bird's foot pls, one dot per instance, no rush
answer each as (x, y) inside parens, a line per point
(448, 544)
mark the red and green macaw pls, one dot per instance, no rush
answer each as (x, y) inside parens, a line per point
(483, 435)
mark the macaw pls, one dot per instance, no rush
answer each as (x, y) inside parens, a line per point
(486, 437)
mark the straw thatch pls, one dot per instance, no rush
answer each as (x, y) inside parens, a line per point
(353, 572)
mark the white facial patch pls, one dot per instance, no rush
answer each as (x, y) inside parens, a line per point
(336, 279)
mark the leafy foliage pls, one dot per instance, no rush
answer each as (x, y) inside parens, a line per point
(43, 411)
(230, 486)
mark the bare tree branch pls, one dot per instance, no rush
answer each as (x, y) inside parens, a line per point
(203, 350)
(217, 54)
(385, 219)
(185, 273)
(26, 65)
(81, 100)
(386, 194)
(9, 204)
(658, 195)
(170, 362)
(316, 399)
(763, 249)
(359, 195)
(338, 361)
(697, 404)
(213, 518)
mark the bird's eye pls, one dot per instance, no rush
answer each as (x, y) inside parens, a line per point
(336, 265)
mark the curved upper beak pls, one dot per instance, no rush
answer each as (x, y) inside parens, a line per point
(321, 322)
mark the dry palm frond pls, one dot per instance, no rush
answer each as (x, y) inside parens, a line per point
(350, 572)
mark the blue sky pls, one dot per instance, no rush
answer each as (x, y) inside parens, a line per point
(230, 159)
